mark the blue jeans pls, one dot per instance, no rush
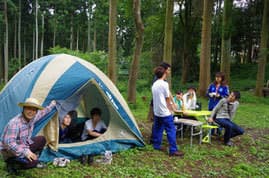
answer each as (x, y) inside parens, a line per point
(231, 129)
(167, 124)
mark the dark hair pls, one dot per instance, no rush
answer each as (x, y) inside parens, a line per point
(73, 114)
(96, 111)
(165, 65)
(192, 87)
(237, 94)
(222, 76)
(179, 92)
(159, 71)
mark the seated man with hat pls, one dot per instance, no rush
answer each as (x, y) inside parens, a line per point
(17, 144)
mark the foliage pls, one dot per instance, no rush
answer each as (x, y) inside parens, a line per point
(98, 58)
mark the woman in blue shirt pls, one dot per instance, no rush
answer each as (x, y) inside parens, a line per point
(217, 90)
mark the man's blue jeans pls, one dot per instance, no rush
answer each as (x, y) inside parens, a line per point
(167, 124)
(231, 129)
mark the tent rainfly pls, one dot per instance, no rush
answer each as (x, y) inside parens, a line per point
(76, 85)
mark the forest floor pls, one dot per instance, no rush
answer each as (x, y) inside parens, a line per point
(248, 158)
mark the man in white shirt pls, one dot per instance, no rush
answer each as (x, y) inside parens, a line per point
(93, 127)
(162, 109)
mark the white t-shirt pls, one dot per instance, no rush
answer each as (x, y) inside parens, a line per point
(189, 104)
(89, 126)
(160, 91)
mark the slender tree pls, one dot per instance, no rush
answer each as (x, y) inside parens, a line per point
(42, 34)
(15, 38)
(112, 50)
(263, 50)
(89, 27)
(6, 43)
(19, 34)
(138, 48)
(36, 29)
(168, 34)
(71, 32)
(226, 38)
(204, 77)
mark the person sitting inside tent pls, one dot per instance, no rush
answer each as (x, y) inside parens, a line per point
(18, 147)
(64, 129)
(223, 114)
(189, 99)
(93, 127)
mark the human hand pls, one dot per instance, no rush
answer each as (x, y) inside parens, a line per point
(53, 102)
(31, 156)
(212, 94)
(210, 119)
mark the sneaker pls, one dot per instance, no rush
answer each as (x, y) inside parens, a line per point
(229, 143)
(177, 153)
(41, 165)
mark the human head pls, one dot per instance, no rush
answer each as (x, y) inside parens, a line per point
(96, 114)
(66, 121)
(191, 89)
(219, 78)
(159, 72)
(234, 96)
(179, 94)
(30, 108)
(166, 66)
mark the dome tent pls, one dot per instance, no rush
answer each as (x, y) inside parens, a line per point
(75, 84)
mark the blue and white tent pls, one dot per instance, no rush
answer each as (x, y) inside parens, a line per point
(75, 84)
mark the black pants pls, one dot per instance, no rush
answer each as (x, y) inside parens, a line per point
(37, 146)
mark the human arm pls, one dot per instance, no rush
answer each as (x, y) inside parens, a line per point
(96, 131)
(170, 105)
(234, 108)
(10, 138)
(223, 92)
(45, 111)
(216, 110)
(211, 91)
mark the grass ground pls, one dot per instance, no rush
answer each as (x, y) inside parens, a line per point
(249, 158)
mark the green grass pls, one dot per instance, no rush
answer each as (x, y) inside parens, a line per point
(249, 158)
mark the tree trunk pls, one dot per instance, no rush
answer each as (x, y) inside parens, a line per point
(184, 54)
(168, 35)
(94, 40)
(89, 30)
(226, 38)
(42, 36)
(204, 77)
(112, 50)
(6, 44)
(77, 39)
(36, 29)
(71, 33)
(138, 48)
(15, 38)
(19, 35)
(1, 65)
(34, 44)
(54, 31)
(263, 50)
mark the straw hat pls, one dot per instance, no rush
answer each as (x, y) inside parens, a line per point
(31, 102)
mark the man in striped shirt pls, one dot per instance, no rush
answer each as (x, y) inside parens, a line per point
(17, 144)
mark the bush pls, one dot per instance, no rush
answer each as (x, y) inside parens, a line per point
(98, 58)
